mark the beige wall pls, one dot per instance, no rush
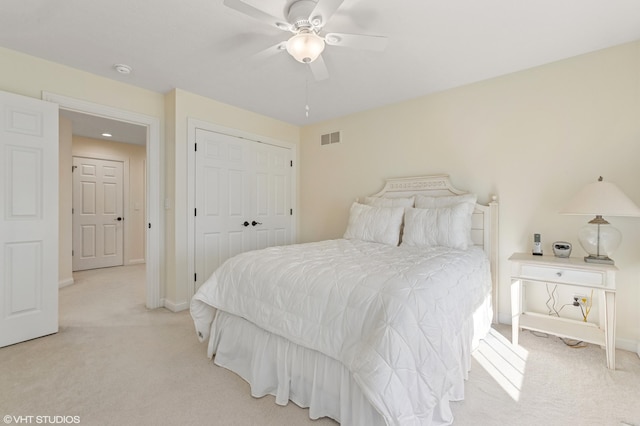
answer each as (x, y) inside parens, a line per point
(533, 138)
(134, 159)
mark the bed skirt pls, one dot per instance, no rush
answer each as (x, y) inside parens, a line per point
(274, 366)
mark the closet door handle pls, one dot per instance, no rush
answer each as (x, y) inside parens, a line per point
(245, 224)
(254, 223)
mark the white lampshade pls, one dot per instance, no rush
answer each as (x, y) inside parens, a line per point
(603, 199)
(599, 239)
(305, 46)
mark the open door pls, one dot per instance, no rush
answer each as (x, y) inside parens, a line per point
(28, 218)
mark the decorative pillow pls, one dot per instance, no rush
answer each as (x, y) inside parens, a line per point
(389, 202)
(377, 224)
(446, 226)
(426, 202)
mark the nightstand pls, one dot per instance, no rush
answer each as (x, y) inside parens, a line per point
(573, 272)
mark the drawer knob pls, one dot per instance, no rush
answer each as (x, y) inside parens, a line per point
(559, 273)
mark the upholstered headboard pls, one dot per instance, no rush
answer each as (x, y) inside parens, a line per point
(484, 228)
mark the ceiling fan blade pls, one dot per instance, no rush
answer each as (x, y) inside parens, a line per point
(323, 11)
(270, 51)
(258, 14)
(319, 69)
(357, 41)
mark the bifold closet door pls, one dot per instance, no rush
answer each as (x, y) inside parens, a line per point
(243, 198)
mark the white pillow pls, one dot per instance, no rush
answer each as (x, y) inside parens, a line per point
(389, 202)
(426, 202)
(446, 226)
(377, 224)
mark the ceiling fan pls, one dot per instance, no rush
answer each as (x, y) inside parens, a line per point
(306, 19)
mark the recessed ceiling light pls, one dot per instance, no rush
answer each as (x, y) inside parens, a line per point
(107, 135)
(123, 69)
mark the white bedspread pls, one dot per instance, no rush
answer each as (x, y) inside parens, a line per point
(391, 315)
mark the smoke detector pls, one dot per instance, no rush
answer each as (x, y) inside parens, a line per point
(123, 69)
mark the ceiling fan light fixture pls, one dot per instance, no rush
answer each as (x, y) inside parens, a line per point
(305, 46)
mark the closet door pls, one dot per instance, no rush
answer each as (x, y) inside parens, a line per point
(243, 198)
(271, 204)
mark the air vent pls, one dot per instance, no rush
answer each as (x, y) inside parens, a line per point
(330, 138)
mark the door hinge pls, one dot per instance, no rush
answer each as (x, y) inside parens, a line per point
(149, 226)
(72, 210)
(290, 212)
(291, 163)
(195, 212)
(196, 146)
(72, 253)
(195, 277)
(73, 168)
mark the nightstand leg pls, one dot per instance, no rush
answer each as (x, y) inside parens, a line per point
(516, 309)
(610, 328)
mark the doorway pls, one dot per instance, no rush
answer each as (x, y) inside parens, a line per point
(152, 211)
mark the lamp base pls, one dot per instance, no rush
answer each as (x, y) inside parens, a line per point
(599, 259)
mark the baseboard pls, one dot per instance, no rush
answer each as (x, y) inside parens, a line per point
(504, 318)
(136, 261)
(65, 283)
(627, 345)
(175, 307)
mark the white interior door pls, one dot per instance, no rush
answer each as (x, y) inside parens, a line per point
(243, 198)
(97, 213)
(29, 218)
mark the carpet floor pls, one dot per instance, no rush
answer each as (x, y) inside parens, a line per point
(114, 362)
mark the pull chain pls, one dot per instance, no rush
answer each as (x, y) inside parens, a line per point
(306, 107)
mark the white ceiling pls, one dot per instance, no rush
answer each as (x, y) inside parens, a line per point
(203, 47)
(92, 126)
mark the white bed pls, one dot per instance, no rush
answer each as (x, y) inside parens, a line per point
(364, 332)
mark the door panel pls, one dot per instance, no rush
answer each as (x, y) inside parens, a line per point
(28, 218)
(97, 204)
(222, 200)
(238, 181)
(273, 195)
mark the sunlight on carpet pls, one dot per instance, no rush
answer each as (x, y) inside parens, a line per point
(504, 362)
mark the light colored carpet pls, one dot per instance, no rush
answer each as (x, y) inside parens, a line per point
(114, 362)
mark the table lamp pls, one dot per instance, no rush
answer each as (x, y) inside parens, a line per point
(598, 238)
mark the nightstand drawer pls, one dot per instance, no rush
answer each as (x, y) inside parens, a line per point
(562, 275)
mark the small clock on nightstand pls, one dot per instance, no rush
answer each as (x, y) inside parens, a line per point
(561, 249)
